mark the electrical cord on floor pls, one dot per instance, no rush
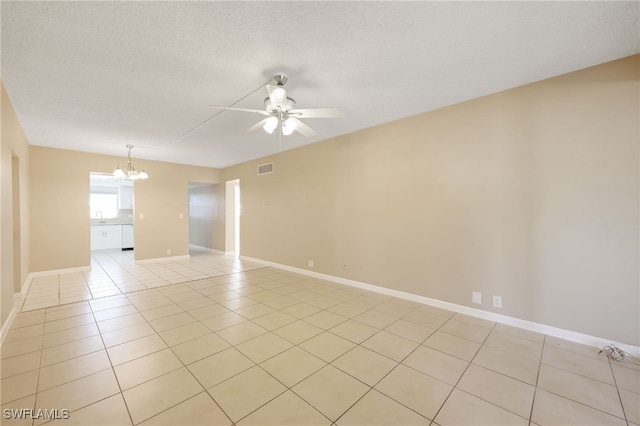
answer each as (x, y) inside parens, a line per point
(616, 354)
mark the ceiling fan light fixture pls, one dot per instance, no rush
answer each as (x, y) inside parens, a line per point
(270, 124)
(288, 104)
(288, 126)
(278, 96)
(281, 111)
(268, 105)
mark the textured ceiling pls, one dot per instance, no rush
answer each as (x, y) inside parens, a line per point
(95, 76)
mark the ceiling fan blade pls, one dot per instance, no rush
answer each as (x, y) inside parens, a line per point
(302, 128)
(257, 126)
(259, 111)
(318, 113)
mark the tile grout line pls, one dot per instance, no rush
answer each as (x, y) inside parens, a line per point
(35, 396)
(173, 352)
(95, 319)
(615, 381)
(104, 348)
(169, 372)
(389, 372)
(158, 289)
(464, 372)
(385, 300)
(297, 345)
(113, 370)
(96, 258)
(288, 388)
(589, 378)
(454, 387)
(535, 389)
(79, 378)
(232, 346)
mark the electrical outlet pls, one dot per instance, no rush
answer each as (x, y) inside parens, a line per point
(311, 264)
(476, 297)
(497, 302)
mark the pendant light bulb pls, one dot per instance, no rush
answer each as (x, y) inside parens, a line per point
(270, 124)
(119, 173)
(289, 126)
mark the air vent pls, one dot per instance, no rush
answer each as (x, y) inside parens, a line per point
(264, 169)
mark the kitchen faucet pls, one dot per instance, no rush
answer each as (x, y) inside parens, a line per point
(100, 213)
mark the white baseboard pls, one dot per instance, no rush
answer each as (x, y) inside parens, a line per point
(59, 271)
(7, 325)
(573, 336)
(19, 297)
(205, 249)
(163, 259)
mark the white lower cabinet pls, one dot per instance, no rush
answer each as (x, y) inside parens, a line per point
(105, 237)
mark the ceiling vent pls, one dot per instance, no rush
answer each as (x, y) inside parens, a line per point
(264, 169)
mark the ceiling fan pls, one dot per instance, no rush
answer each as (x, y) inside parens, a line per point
(282, 113)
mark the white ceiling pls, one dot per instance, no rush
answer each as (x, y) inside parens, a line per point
(96, 76)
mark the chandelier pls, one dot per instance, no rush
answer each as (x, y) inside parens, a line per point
(130, 172)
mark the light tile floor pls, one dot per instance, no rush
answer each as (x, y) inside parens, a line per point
(261, 346)
(115, 272)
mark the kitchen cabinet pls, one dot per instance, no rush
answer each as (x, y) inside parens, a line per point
(126, 197)
(104, 237)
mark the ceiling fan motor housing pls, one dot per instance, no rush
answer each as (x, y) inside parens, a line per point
(280, 79)
(288, 104)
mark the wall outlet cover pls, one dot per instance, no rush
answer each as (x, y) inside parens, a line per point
(497, 302)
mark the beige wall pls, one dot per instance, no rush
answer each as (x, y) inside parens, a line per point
(60, 236)
(14, 205)
(531, 194)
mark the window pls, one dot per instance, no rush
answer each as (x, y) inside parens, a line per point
(105, 203)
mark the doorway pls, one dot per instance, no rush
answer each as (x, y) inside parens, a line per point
(111, 213)
(202, 216)
(233, 211)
